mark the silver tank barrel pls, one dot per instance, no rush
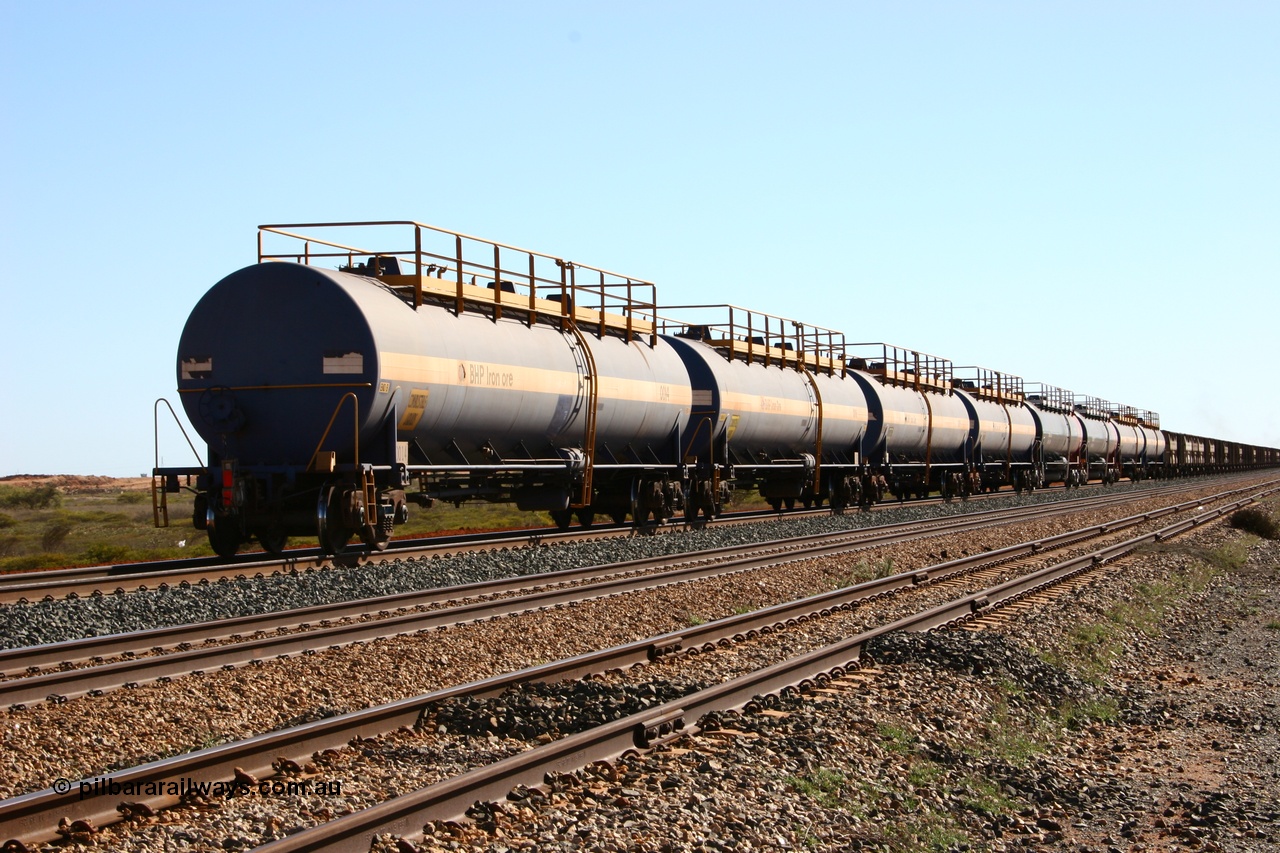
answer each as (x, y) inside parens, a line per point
(272, 351)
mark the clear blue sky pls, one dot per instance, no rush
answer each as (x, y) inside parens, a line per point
(1084, 194)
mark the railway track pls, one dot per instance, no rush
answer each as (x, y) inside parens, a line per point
(24, 817)
(227, 644)
(53, 584)
(107, 580)
(833, 665)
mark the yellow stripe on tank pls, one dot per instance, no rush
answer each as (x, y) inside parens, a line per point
(435, 370)
(950, 422)
(916, 419)
(832, 411)
(763, 404)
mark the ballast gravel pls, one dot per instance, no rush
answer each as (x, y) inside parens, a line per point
(943, 742)
(87, 736)
(37, 623)
(971, 741)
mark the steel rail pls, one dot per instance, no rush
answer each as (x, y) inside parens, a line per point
(29, 659)
(31, 818)
(69, 683)
(88, 581)
(448, 800)
(61, 685)
(94, 580)
(25, 587)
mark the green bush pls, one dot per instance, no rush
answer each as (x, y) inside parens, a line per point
(91, 516)
(32, 562)
(55, 533)
(103, 554)
(132, 497)
(1256, 521)
(59, 535)
(37, 497)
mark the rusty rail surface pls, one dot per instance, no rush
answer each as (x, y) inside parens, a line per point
(32, 687)
(31, 818)
(22, 587)
(448, 800)
(85, 581)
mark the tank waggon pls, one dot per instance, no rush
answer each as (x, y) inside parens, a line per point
(1131, 447)
(1101, 439)
(1004, 436)
(330, 399)
(1060, 452)
(275, 345)
(505, 409)
(1157, 452)
(336, 385)
(1130, 442)
(918, 429)
(771, 411)
(1142, 445)
(842, 436)
(931, 429)
(898, 430)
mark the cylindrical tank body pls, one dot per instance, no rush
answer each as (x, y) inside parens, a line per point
(952, 428)
(1156, 445)
(844, 415)
(282, 344)
(1060, 433)
(1100, 438)
(1133, 443)
(1005, 433)
(765, 412)
(899, 419)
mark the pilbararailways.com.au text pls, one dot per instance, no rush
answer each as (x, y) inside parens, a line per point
(187, 787)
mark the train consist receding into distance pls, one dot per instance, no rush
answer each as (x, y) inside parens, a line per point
(335, 385)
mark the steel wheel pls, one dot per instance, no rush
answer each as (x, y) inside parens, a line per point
(272, 541)
(223, 537)
(333, 533)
